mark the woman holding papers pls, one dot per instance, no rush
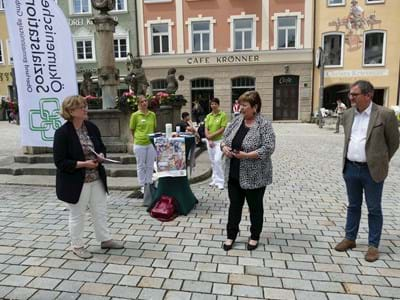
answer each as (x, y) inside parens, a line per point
(81, 178)
(142, 123)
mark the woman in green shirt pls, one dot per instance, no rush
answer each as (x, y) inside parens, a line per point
(215, 124)
(142, 123)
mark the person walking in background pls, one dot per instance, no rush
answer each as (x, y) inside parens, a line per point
(371, 139)
(248, 144)
(81, 178)
(236, 108)
(142, 123)
(214, 126)
(340, 108)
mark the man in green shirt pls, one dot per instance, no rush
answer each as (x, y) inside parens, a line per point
(215, 124)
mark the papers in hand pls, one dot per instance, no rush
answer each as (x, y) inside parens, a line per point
(104, 158)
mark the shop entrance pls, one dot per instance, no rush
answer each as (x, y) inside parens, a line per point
(286, 97)
(202, 93)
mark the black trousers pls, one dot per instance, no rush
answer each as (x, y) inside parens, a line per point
(254, 198)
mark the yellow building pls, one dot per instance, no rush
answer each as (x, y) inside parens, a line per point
(5, 59)
(360, 40)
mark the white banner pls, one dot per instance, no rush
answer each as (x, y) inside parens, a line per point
(43, 56)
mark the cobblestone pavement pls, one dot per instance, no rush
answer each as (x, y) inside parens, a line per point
(183, 259)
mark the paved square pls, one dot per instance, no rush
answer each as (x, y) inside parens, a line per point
(304, 218)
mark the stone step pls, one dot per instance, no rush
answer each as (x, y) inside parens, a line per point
(124, 158)
(49, 169)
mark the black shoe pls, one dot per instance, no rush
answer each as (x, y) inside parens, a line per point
(228, 247)
(252, 247)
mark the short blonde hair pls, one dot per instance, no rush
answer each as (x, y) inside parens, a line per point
(70, 103)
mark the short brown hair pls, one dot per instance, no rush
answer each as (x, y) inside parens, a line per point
(70, 103)
(253, 98)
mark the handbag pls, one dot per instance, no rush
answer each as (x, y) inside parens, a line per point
(165, 209)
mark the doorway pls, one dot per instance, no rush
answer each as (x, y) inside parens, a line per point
(202, 93)
(286, 97)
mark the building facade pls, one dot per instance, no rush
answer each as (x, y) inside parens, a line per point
(360, 40)
(222, 48)
(5, 57)
(80, 14)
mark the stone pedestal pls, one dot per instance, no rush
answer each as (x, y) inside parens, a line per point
(168, 114)
(108, 73)
(114, 128)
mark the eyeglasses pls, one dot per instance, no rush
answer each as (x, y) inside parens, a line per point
(353, 95)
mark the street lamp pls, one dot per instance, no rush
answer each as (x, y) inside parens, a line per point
(320, 63)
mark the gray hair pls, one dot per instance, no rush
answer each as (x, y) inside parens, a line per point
(365, 86)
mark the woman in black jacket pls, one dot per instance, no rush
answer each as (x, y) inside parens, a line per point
(81, 178)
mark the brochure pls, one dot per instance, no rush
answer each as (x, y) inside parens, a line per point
(104, 158)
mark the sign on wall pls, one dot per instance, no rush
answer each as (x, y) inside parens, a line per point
(41, 44)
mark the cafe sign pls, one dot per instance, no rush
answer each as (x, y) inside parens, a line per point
(222, 59)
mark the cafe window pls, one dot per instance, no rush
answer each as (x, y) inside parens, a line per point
(200, 34)
(1, 53)
(160, 37)
(10, 58)
(241, 85)
(336, 2)
(158, 85)
(80, 6)
(121, 47)
(1, 4)
(374, 48)
(333, 48)
(84, 50)
(202, 93)
(243, 32)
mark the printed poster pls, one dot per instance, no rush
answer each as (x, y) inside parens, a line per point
(171, 156)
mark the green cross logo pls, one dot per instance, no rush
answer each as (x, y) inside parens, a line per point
(46, 119)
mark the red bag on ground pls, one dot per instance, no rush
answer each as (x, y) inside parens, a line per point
(165, 209)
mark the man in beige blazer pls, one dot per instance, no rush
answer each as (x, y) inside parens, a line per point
(371, 139)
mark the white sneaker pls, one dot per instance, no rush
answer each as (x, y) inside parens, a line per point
(220, 186)
(82, 252)
(212, 183)
(142, 189)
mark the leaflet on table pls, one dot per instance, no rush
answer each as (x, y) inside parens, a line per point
(171, 156)
(104, 158)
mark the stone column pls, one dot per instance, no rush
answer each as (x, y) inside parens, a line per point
(107, 72)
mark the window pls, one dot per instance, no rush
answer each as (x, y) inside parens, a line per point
(80, 7)
(287, 32)
(333, 48)
(374, 1)
(374, 48)
(121, 48)
(1, 4)
(160, 38)
(84, 50)
(336, 2)
(10, 58)
(243, 32)
(120, 5)
(241, 85)
(201, 36)
(158, 85)
(1, 53)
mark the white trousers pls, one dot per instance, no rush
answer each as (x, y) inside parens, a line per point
(93, 196)
(215, 155)
(145, 157)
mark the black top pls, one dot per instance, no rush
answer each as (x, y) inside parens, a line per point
(183, 125)
(237, 145)
(67, 150)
